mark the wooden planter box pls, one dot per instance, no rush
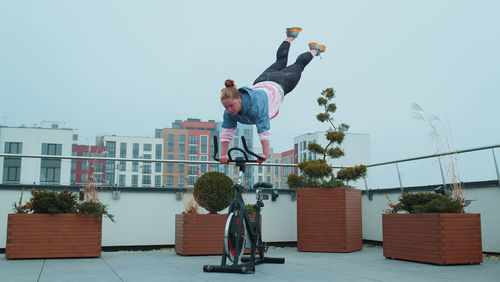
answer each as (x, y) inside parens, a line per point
(53, 236)
(329, 220)
(438, 238)
(199, 234)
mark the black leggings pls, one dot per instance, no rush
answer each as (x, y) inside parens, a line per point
(286, 77)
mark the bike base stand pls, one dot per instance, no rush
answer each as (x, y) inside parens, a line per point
(244, 268)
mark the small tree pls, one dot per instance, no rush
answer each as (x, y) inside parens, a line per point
(318, 173)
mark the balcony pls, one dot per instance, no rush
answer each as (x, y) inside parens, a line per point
(145, 220)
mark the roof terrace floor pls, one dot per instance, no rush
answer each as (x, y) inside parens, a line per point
(165, 265)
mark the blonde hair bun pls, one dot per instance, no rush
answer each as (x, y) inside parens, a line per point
(229, 83)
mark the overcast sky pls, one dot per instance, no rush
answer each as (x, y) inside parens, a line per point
(128, 67)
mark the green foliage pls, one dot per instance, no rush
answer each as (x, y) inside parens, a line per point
(214, 191)
(250, 209)
(351, 172)
(428, 203)
(97, 209)
(46, 201)
(315, 168)
(51, 202)
(317, 173)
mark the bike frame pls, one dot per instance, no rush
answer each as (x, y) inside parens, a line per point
(251, 228)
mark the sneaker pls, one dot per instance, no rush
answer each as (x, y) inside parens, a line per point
(293, 31)
(318, 47)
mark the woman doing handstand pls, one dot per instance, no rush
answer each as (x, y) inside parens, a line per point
(261, 102)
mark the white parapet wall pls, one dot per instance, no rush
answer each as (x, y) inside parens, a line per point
(146, 218)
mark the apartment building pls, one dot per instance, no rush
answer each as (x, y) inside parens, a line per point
(187, 140)
(133, 173)
(49, 138)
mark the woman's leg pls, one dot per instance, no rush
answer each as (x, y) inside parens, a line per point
(281, 61)
(291, 74)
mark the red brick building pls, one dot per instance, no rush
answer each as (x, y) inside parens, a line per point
(83, 170)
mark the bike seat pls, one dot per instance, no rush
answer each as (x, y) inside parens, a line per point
(263, 185)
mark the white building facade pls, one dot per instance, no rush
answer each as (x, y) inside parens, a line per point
(48, 139)
(135, 173)
(356, 147)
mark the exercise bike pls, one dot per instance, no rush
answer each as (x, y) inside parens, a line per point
(240, 232)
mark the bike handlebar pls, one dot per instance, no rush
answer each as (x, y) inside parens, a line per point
(244, 152)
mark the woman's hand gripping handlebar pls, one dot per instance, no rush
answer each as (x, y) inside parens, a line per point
(228, 159)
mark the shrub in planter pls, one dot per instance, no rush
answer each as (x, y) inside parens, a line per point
(433, 228)
(53, 224)
(328, 219)
(203, 234)
(428, 203)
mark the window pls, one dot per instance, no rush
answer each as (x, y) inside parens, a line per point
(135, 180)
(180, 181)
(191, 180)
(170, 181)
(85, 163)
(180, 169)
(268, 169)
(193, 145)
(135, 166)
(123, 165)
(268, 179)
(158, 167)
(147, 147)
(170, 166)
(111, 148)
(123, 150)
(51, 149)
(158, 181)
(121, 180)
(110, 177)
(12, 171)
(84, 178)
(73, 178)
(204, 144)
(146, 180)
(97, 167)
(170, 143)
(158, 152)
(12, 166)
(203, 167)
(135, 150)
(260, 178)
(259, 169)
(182, 143)
(13, 147)
(50, 169)
(75, 137)
(146, 166)
(73, 164)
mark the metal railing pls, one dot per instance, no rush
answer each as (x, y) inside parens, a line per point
(395, 162)
(438, 156)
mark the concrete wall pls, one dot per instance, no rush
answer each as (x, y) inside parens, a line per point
(148, 218)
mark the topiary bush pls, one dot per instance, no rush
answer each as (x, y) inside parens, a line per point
(318, 173)
(214, 191)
